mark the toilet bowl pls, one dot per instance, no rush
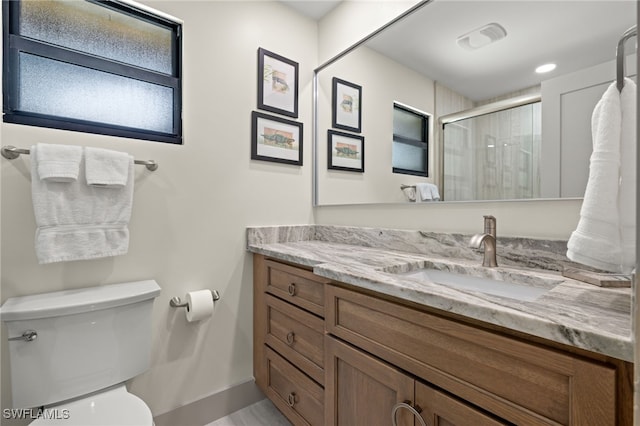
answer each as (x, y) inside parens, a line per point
(71, 352)
(114, 406)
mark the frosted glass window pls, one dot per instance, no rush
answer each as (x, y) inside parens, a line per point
(410, 141)
(64, 90)
(98, 30)
(409, 157)
(408, 124)
(111, 68)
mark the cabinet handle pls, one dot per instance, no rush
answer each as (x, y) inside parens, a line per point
(292, 289)
(291, 399)
(290, 338)
(415, 411)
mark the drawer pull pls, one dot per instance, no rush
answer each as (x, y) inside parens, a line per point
(292, 289)
(290, 338)
(406, 405)
(291, 399)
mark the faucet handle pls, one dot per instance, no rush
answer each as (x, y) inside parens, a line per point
(490, 225)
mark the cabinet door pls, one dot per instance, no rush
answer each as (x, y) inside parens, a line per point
(440, 409)
(362, 390)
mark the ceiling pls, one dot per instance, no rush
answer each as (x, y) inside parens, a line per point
(573, 34)
(313, 9)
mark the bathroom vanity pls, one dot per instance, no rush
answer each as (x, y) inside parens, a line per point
(343, 336)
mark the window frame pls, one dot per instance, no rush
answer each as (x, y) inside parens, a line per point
(14, 43)
(424, 143)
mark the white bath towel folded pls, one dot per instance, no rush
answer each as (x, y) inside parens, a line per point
(76, 221)
(427, 192)
(607, 216)
(58, 163)
(105, 167)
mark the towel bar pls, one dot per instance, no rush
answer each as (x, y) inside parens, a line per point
(11, 153)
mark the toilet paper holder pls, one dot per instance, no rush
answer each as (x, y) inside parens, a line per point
(176, 302)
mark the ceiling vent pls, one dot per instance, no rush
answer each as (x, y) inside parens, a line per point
(482, 36)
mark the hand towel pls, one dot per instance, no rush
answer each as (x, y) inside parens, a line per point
(105, 167)
(427, 192)
(59, 163)
(76, 221)
(610, 193)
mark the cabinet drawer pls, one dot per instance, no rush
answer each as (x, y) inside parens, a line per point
(297, 335)
(297, 286)
(518, 381)
(296, 395)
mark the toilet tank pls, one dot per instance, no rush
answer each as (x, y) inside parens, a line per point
(87, 339)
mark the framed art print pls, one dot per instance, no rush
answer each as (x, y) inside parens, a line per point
(275, 139)
(346, 106)
(277, 84)
(346, 151)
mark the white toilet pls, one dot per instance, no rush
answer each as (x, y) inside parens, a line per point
(71, 351)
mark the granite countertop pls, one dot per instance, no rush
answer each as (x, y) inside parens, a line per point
(570, 312)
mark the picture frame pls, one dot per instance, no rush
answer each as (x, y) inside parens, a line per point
(276, 139)
(277, 84)
(346, 105)
(345, 151)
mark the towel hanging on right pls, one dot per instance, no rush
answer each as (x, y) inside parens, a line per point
(606, 232)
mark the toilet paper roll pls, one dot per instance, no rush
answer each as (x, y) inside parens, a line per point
(199, 305)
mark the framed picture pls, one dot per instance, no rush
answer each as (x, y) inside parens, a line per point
(277, 84)
(275, 139)
(346, 111)
(346, 151)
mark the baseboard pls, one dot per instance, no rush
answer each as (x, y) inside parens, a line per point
(211, 408)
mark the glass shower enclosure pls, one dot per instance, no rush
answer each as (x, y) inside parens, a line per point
(493, 156)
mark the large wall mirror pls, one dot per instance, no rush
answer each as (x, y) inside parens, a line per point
(448, 98)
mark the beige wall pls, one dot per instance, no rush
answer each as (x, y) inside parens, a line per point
(189, 217)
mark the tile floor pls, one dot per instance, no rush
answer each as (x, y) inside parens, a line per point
(262, 413)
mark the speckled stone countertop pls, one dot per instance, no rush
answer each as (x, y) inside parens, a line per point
(570, 312)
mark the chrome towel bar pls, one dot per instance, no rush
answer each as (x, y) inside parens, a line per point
(11, 153)
(620, 74)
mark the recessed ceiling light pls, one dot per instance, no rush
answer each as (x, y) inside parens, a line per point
(545, 68)
(482, 36)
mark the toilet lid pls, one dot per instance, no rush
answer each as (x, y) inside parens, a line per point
(113, 407)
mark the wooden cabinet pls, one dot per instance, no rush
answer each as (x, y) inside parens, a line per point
(520, 382)
(288, 339)
(331, 354)
(363, 390)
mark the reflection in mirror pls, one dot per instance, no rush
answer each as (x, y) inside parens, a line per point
(442, 60)
(493, 155)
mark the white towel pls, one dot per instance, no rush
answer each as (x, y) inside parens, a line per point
(607, 216)
(105, 167)
(76, 221)
(427, 192)
(59, 163)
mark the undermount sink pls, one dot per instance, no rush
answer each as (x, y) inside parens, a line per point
(529, 290)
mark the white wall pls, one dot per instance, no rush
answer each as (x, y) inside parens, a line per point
(189, 217)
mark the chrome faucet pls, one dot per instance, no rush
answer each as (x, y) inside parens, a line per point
(488, 238)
